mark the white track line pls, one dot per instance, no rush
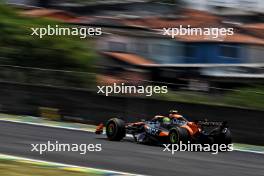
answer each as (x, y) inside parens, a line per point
(46, 125)
(66, 165)
(249, 151)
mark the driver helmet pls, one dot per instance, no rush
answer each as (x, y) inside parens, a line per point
(166, 120)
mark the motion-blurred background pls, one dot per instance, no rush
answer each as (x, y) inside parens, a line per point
(207, 78)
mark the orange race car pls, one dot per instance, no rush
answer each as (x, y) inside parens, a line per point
(171, 129)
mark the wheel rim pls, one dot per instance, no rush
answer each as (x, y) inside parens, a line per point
(111, 129)
(173, 138)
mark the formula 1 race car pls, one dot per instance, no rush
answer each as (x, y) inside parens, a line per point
(173, 131)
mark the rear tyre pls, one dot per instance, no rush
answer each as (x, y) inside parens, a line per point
(115, 129)
(177, 135)
(225, 138)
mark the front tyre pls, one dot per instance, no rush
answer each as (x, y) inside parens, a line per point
(115, 129)
(177, 135)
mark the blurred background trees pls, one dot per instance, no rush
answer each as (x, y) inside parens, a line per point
(65, 61)
(19, 47)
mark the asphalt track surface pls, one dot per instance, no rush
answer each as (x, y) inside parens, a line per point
(126, 156)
